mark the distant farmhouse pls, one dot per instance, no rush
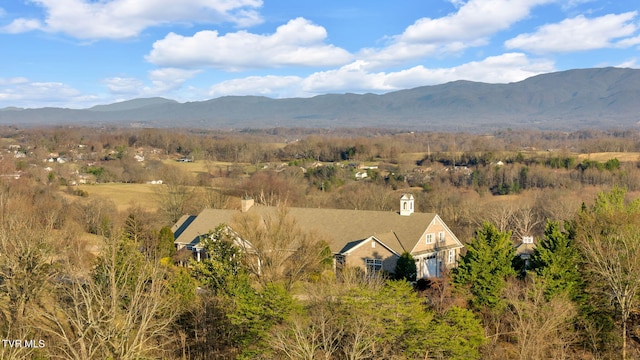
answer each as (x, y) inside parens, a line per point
(371, 240)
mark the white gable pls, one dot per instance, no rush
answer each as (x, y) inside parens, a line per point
(437, 235)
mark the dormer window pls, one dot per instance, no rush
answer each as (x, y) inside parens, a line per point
(527, 239)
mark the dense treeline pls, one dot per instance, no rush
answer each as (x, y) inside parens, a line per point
(92, 281)
(329, 145)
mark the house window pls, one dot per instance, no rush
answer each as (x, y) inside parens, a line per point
(340, 261)
(441, 236)
(373, 265)
(429, 238)
(452, 256)
(373, 244)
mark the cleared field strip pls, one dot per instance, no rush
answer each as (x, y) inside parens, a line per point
(125, 195)
(604, 156)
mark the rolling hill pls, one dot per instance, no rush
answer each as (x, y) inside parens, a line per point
(567, 100)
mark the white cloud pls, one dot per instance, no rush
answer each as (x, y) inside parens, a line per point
(297, 43)
(473, 20)
(163, 82)
(628, 42)
(355, 77)
(119, 19)
(496, 69)
(22, 92)
(457, 3)
(570, 4)
(123, 85)
(22, 25)
(168, 79)
(578, 34)
(271, 86)
(631, 63)
(470, 26)
(503, 68)
(401, 52)
(13, 81)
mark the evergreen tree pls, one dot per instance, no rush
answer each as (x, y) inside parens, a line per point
(385, 321)
(457, 334)
(483, 270)
(223, 266)
(165, 247)
(253, 313)
(406, 268)
(249, 313)
(555, 261)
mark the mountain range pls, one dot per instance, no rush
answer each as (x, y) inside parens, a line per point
(568, 100)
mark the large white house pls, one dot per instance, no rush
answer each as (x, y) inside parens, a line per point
(372, 240)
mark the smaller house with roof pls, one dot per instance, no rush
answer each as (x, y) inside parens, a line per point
(360, 175)
(371, 240)
(525, 249)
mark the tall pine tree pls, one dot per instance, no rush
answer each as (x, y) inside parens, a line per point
(555, 261)
(483, 270)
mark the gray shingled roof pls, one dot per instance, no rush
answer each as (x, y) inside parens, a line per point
(336, 226)
(525, 249)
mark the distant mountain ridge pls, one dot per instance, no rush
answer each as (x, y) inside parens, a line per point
(133, 104)
(567, 100)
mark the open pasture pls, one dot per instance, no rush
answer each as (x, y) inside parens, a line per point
(604, 156)
(125, 195)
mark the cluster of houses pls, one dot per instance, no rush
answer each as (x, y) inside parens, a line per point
(79, 153)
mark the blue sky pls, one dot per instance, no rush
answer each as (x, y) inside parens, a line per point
(79, 53)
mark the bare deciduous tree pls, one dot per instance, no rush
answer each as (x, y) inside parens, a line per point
(25, 271)
(525, 221)
(543, 329)
(330, 330)
(175, 196)
(122, 311)
(609, 240)
(279, 250)
(501, 215)
(365, 196)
